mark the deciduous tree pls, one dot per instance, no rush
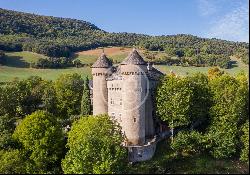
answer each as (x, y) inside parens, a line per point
(94, 144)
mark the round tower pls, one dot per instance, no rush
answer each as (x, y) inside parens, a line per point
(100, 71)
(134, 94)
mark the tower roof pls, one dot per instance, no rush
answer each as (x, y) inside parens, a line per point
(102, 62)
(134, 58)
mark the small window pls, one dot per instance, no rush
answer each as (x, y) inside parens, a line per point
(134, 119)
(113, 115)
(120, 117)
(112, 101)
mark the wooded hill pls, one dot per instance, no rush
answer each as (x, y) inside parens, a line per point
(59, 37)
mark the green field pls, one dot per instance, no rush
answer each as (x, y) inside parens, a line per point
(183, 71)
(18, 65)
(21, 59)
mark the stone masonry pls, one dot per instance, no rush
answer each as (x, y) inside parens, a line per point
(125, 92)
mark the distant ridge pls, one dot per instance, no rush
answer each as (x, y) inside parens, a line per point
(57, 37)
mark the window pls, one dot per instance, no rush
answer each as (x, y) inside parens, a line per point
(120, 117)
(112, 101)
(113, 115)
(134, 119)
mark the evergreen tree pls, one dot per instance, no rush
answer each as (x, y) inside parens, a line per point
(86, 102)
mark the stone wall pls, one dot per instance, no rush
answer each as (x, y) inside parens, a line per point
(100, 93)
(115, 100)
(142, 153)
(133, 106)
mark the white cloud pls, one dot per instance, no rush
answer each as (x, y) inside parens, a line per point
(233, 25)
(206, 7)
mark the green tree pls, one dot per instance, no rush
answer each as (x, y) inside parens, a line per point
(200, 101)
(227, 113)
(69, 93)
(9, 100)
(94, 144)
(2, 56)
(86, 101)
(42, 140)
(188, 142)
(12, 162)
(214, 72)
(244, 156)
(173, 101)
(48, 98)
(77, 62)
(7, 126)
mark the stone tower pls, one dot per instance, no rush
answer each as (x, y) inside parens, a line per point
(100, 71)
(133, 70)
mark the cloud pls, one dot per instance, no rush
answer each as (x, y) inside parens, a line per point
(233, 25)
(206, 7)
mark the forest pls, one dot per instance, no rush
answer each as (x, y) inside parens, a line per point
(60, 37)
(47, 127)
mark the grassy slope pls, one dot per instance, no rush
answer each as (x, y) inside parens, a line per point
(166, 162)
(18, 65)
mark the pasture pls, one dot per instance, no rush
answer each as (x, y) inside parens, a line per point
(18, 65)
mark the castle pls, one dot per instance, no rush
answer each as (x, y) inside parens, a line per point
(125, 92)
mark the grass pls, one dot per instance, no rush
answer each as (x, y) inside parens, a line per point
(18, 64)
(165, 161)
(21, 59)
(183, 71)
(9, 73)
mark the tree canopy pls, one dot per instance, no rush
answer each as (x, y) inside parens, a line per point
(94, 144)
(42, 140)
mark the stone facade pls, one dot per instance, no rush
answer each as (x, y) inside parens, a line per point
(125, 93)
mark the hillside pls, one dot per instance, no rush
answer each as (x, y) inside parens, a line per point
(56, 37)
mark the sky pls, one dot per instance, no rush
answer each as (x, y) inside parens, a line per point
(222, 19)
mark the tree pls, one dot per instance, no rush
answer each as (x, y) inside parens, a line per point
(188, 142)
(48, 98)
(12, 162)
(214, 72)
(2, 56)
(69, 93)
(244, 156)
(173, 101)
(77, 62)
(7, 126)
(200, 101)
(94, 144)
(22, 97)
(227, 113)
(86, 101)
(42, 141)
(8, 100)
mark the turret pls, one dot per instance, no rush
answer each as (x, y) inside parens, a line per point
(133, 70)
(100, 71)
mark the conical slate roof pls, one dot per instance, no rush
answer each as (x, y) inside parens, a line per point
(134, 58)
(102, 62)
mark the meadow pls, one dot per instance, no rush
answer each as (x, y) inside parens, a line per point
(18, 65)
